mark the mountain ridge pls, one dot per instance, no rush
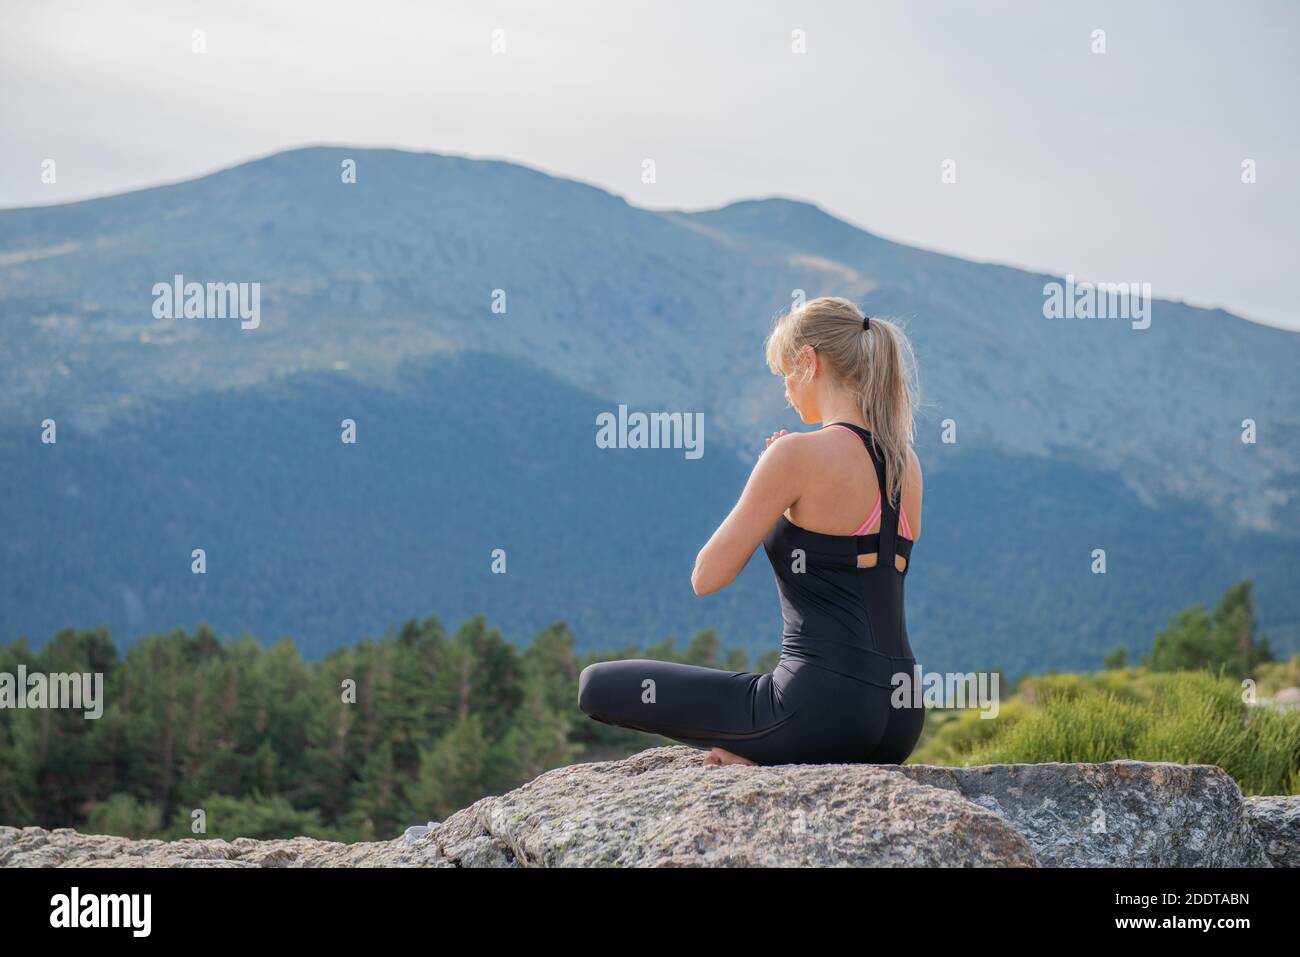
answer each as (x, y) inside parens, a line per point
(954, 304)
(610, 304)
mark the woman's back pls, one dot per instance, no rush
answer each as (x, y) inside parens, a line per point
(842, 590)
(841, 492)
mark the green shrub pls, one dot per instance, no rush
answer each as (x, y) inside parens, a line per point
(124, 816)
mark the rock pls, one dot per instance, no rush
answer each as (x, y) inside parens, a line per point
(1287, 699)
(64, 847)
(1277, 822)
(663, 808)
(1115, 813)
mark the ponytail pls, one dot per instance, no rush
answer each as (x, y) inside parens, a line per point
(874, 359)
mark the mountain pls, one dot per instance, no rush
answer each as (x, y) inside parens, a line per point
(476, 428)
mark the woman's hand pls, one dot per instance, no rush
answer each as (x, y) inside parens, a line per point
(772, 438)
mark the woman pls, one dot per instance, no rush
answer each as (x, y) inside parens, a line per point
(840, 577)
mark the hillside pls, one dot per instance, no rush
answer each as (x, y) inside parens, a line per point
(476, 429)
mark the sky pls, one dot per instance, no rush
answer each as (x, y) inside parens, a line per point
(1117, 166)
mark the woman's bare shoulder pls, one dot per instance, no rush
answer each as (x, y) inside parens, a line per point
(913, 463)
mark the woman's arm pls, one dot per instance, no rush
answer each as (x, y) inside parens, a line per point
(773, 487)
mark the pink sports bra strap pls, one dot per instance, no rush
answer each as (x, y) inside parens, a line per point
(871, 520)
(904, 529)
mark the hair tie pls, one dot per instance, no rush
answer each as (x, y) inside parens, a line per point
(866, 322)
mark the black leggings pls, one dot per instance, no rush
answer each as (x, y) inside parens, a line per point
(799, 714)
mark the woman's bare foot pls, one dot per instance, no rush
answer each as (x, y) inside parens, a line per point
(720, 756)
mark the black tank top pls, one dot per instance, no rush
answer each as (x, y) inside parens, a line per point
(839, 616)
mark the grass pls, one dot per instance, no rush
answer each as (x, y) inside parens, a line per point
(1188, 717)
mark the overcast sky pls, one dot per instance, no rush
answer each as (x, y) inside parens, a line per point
(1122, 166)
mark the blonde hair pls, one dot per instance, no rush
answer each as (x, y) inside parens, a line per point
(876, 364)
